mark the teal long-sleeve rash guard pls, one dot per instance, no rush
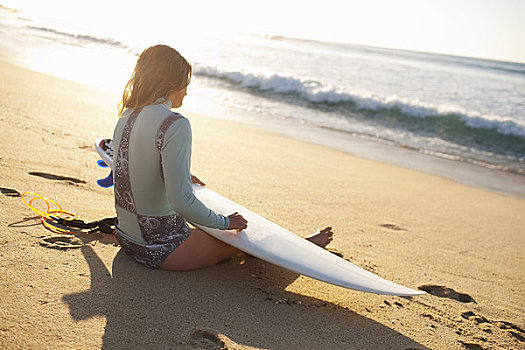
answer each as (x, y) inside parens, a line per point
(161, 185)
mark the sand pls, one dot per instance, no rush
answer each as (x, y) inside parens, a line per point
(462, 244)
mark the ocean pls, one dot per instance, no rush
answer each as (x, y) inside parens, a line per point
(460, 109)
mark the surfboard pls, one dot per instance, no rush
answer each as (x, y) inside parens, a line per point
(268, 241)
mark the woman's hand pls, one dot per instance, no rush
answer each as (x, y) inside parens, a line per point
(237, 222)
(196, 180)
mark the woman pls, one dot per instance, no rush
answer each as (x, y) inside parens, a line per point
(153, 183)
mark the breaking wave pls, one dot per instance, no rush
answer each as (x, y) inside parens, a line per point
(314, 92)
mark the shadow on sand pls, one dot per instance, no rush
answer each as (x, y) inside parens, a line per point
(218, 307)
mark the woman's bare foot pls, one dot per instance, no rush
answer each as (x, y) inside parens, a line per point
(321, 238)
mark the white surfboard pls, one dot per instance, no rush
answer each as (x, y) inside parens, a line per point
(270, 242)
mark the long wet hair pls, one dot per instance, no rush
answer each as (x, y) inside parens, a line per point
(159, 71)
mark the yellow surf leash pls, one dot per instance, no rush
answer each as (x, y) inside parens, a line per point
(53, 211)
(58, 220)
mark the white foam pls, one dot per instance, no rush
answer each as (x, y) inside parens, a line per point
(315, 92)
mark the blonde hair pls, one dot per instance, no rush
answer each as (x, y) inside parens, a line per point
(159, 71)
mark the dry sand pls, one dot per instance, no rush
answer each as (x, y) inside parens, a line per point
(464, 244)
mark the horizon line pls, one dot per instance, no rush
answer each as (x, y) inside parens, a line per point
(441, 53)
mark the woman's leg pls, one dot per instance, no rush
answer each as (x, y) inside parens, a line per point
(199, 250)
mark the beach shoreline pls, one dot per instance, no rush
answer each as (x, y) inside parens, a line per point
(462, 244)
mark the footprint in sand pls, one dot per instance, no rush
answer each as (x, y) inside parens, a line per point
(48, 176)
(62, 242)
(513, 330)
(205, 339)
(393, 227)
(471, 346)
(476, 318)
(9, 192)
(445, 292)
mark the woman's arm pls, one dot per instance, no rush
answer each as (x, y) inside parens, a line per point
(176, 159)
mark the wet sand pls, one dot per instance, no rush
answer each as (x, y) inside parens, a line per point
(461, 244)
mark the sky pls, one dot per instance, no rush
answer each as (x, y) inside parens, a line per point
(492, 29)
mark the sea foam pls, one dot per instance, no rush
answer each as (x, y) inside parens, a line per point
(315, 92)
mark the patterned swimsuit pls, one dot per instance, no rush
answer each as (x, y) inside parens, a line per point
(162, 234)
